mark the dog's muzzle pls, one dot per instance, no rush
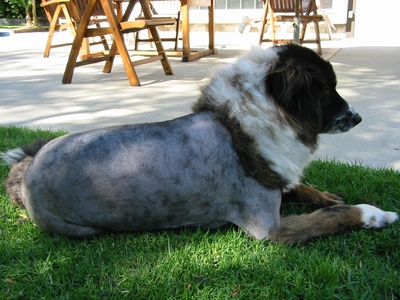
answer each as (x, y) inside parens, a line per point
(349, 119)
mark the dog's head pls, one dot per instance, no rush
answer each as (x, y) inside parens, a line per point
(304, 85)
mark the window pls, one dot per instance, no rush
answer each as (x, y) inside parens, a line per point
(326, 4)
(238, 4)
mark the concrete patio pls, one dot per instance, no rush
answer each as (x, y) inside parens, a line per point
(32, 93)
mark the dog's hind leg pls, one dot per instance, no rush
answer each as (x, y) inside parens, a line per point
(75, 231)
(58, 225)
(331, 220)
(19, 160)
(307, 195)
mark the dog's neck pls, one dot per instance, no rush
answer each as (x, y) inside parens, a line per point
(269, 147)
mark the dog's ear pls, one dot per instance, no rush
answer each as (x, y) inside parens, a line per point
(297, 87)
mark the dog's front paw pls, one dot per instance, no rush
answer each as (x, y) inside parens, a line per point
(330, 199)
(373, 217)
(308, 195)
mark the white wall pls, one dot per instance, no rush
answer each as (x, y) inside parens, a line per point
(377, 19)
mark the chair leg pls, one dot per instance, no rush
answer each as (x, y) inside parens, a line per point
(328, 26)
(103, 39)
(263, 24)
(178, 20)
(160, 49)
(273, 28)
(50, 37)
(53, 26)
(303, 32)
(318, 37)
(85, 48)
(150, 37)
(110, 62)
(137, 40)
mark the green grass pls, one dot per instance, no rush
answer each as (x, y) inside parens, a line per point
(10, 26)
(195, 264)
(7, 26)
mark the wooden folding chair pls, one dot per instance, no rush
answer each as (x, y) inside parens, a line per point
(66, 14)
(284, 11)
(98, 16)
(162, 9)
(55, 10)
(117, 27)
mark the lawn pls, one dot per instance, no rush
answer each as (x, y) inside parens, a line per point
(23, 28)
(20, 26)
(195, 264)
(11, 26)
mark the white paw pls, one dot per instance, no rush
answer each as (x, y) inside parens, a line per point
(373, 217)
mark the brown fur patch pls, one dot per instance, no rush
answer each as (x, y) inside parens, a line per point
(325, 221)
(14, 180)
(304, 131)
(254, 164)
(307, 195)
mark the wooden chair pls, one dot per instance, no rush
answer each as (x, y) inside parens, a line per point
(284, 11)
(55, 10)
(70, 11)
(162, 9)
(98, 17)
(117, 27)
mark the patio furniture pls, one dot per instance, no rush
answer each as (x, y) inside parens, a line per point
(117, 27)
(65, 15)
(162, 9)
(186, 52)
(284, 11)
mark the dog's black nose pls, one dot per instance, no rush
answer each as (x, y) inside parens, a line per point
(353, 116)
(357, 119)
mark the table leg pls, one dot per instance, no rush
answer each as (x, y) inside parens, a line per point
(187, 53)
(211, 25)
(185, 30)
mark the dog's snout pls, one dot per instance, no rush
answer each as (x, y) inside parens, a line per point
(344, 122)
(354, 116)
(357, 118)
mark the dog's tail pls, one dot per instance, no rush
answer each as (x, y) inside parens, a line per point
(19, 159)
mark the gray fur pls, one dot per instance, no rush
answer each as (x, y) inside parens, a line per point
(183, 172)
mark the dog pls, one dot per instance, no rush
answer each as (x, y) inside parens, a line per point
(235, 159)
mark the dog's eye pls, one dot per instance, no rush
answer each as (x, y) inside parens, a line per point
(326, 98)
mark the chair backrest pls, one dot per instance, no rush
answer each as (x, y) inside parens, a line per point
(165, 7)
(283, 6)
(289, 6)
(82, 4)
(51, 9)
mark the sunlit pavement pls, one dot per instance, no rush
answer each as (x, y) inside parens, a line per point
(32, 93)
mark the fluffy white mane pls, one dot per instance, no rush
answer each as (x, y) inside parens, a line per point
(241, 88)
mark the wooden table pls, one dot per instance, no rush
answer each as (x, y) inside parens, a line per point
(296, 23)
(117, 25)
(187, 54)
